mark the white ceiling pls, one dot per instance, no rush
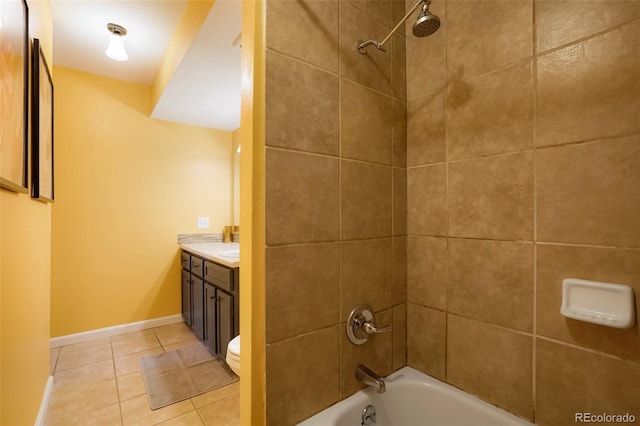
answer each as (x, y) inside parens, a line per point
(205, 89)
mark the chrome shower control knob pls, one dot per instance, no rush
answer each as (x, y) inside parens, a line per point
(361, 325)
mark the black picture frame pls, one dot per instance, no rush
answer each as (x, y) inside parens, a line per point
(14, 97)
(41, 127)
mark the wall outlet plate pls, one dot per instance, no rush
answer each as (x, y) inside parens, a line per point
(203, 222)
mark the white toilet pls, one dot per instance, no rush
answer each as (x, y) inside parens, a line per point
(233, 355)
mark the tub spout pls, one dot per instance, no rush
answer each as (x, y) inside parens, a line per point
(370, 378)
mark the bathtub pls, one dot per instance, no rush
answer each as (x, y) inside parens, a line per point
(414, 399)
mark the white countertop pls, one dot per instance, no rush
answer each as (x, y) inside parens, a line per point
(215, 252)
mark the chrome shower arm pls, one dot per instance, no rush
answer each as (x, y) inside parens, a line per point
(362, 45)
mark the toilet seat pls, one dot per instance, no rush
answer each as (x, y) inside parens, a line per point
(233, 355)
(234, 346)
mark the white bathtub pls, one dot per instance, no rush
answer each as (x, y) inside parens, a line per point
(415, 399)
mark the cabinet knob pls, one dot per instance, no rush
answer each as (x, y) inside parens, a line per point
(214, 298)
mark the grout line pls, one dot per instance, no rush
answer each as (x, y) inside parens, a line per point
(588, 37)
(585, 349)
(534, 85)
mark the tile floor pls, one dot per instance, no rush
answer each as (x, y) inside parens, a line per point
(99, 383)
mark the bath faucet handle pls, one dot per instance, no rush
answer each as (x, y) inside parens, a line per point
(370, 328)
(361, 325)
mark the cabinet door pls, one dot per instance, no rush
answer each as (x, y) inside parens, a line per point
(186, 297)
(197, 306)
(225, 321)
(210, 333)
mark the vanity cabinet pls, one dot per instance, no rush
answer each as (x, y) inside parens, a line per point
(210, 300)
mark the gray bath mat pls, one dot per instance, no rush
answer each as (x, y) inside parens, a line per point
(183, 373)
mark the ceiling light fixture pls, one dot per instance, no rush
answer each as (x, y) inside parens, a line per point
(116, 45)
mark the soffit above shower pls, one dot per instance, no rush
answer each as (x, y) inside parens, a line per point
(205, 89)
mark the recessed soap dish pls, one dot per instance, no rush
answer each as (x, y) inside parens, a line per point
(599, 303)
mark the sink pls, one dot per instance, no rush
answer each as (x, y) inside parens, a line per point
(230, 253)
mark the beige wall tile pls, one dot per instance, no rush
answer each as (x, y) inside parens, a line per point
(399, 201)
(302, 197)
(399, 336)
(398, 67)
(374, 68)
(399, 133)
(485, 35)
(426, 340)
(426, 132)
(492, 197)
(491, 114)
(305, 295)
(376, 354)
(589, 90)
(399, 271)
(492, 281)
(426, 71)
(292, 365)
(379, 10)
(427, 200)
(366, 124)
(307, 30)
(590, 193)
(427, 271)
(491, 362)
(366, 274)
(302, 106)
(570, 380)
(366, 188)
(562, 22)
(618, 266)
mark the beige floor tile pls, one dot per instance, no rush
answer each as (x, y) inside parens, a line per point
(77, 399)
(178, 345)
(189, 419)
(100, 341)
(130, 386)
(90, 373)
(136, 411)
(133, 335)
(107, 416)
(222, 413)
(232, 390)
(131, 363)
(76, 356)
(135, 344)
(174, 333)
(53, 359)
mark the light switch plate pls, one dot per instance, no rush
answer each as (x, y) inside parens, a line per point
(203, 222)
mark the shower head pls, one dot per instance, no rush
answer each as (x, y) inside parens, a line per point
(427, 22)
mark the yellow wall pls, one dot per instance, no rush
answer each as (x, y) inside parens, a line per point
(252, 216)
(25, 241)
(126, 184)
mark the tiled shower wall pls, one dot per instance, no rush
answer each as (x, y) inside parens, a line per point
(335, 200)
(523, 156)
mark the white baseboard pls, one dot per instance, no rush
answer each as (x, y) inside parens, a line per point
(71, 339)
(44, 405)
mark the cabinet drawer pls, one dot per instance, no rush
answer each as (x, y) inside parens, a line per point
(218, 275)
(197, 266)
(186, 260)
